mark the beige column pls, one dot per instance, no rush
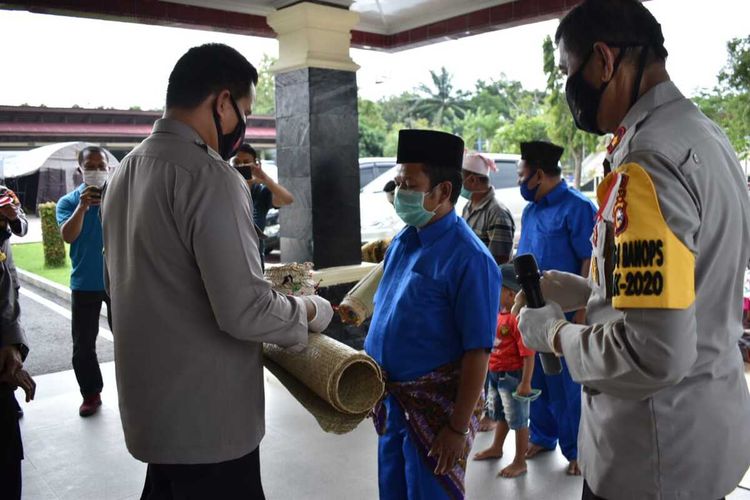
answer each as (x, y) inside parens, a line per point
(317, 134)
(313, 36)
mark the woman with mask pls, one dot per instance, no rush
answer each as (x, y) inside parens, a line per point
(433, 326)
(555, 228)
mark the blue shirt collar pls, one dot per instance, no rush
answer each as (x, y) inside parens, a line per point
(430, 234)
(555, 195)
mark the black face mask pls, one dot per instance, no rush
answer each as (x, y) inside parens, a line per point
(230, 143)
(584, 99)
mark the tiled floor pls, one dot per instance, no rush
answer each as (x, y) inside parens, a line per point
(68, 457)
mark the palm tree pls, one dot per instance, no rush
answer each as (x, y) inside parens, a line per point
(439, 103)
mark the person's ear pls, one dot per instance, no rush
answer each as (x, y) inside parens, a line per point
(447, 190)
(223, 101)
(605, 57)
(441, 192)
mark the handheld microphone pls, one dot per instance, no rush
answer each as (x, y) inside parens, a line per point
(528, 275)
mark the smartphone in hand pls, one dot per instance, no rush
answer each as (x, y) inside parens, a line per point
(93, 192)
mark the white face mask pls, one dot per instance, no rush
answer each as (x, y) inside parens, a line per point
(95, 177)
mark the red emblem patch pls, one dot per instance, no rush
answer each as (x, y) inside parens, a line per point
(616, 139)
(621, 208)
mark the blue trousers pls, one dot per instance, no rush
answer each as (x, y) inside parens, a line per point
(402, 472)
(555, 415)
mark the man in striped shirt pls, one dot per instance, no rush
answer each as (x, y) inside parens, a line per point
(490, 220)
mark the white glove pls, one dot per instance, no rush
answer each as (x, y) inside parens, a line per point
(540, 326)
(323, 313)
(570, 291)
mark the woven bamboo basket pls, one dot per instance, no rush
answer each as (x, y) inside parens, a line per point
(351, 382)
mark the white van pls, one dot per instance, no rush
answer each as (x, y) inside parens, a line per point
(378, 218)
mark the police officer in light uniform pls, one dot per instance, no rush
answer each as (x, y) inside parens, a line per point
(665, 406)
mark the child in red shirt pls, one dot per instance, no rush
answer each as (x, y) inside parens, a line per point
(511, 366)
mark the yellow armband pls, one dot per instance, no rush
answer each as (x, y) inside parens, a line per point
(653, 268)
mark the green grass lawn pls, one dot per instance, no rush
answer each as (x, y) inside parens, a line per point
(30, 257)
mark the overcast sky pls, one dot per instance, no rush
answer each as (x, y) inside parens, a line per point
(61, 61)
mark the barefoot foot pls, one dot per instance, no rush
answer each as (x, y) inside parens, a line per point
(534, 450)
(489, 453)
(513, 470)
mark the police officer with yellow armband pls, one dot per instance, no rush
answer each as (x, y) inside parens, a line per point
(665, 407)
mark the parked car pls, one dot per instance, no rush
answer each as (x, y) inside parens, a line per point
(379, 220)
(370, 168)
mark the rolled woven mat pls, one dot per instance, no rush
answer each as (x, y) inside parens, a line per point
(329, 419)
(358, 304)
(351, 382)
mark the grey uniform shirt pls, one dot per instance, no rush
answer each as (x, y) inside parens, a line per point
(11, 332)
(665, 409)
(493, 223)
(190, 305)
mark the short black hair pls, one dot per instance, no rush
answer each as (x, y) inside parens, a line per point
(389, 187)
(88, 150)
(247, 148)
(208, 69)
(614, 22)
(438, 174)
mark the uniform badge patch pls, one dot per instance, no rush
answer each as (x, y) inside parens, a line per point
(616, 139)
(621, 207)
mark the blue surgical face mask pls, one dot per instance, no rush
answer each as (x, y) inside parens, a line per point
(466, 193)
(410, 207)
(527, 193)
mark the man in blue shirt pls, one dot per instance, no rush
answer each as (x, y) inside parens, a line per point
(78, 218)
(433, 326)
(556, 228)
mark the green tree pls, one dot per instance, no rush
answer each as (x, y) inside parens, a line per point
(728, 104)
(372, 128)
(398, 109)
(265, 98)
(524, 128)
(52, 242)
(561, 127)
(391, 139)
(478, 128)
(507, 98)
(736, 74)
(439, 103)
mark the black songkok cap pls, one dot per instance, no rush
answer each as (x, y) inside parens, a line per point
(433, 148)
(542, 154)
